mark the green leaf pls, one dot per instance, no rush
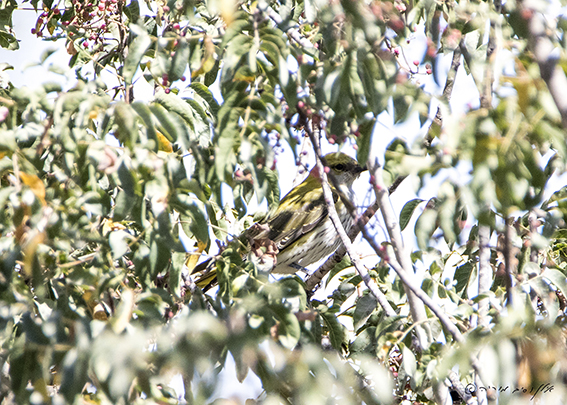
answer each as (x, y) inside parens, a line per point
(170, 127)
(172, 103)
(363, 141)
(425, 226)
(179, 62)
(175, 273)
(127, 131)
(204, 92)
(145, 113)
(132, 11)
(198, 109)
(289, 330)
(273, 194)
(193, 217)
(463, 276)
(136, 51)
(74, 376)
(8, 41)
(409, 362)
(227, 144)
(365, 306)
(337, 331)
(407, 212)
(340, 266)
(240, 24)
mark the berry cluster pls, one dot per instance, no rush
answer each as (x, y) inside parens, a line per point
(86, 19)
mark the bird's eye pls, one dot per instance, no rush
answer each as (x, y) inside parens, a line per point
(340, 167)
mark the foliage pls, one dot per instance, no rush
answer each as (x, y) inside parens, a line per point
(107, 202)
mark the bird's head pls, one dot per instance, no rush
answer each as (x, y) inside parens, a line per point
(344, 168)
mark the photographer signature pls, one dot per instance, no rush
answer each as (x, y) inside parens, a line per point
(543, 388)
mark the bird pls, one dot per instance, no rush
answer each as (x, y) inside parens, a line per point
(299, 232)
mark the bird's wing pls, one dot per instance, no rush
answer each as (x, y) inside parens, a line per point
(299, 212)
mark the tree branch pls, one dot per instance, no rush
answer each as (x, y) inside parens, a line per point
(447, 91)
(484, 273)
(403, 258)
(293, 32)
(507, 251)
(313, 280)
(372, 286)
(546, 56)
(418, 296)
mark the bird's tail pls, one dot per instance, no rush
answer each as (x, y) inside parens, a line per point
(205, 275)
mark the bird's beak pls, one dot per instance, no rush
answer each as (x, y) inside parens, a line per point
(360, 169)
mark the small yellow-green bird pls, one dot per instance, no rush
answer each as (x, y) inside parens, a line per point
(299, 232)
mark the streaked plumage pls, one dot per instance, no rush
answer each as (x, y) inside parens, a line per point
(300, 228)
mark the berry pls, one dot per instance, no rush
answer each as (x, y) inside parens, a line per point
(176, 26)
(33, 31)
(416, 62)
(56, 11)
(165, 9)
(167, 90)
(183, 78)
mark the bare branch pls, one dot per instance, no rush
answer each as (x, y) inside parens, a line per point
(416, 296)
(507, 251)
(484, 273)
(390, 219)
(314, 279)
(372, 286)
(293, 32)
(447, 91)
(458, 386)
(547, 57)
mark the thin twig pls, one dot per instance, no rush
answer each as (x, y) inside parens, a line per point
(544, 53)
(484, 273)
(401, 255)
(327, 193)
(410, 283)
(293, 32)
(315, 278)
(507, 250)
(447, 91)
